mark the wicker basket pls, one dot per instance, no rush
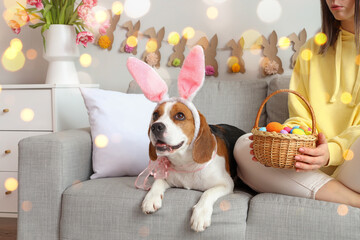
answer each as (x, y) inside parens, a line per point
(278, 150)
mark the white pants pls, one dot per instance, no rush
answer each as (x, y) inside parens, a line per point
(288, 181)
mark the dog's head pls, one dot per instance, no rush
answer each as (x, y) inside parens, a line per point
(176, 127)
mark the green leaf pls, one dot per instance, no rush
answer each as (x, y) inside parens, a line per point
(43, 29)
(62, 13)
(36, 25)
(68, 12)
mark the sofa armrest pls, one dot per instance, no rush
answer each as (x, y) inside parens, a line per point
(48, 164)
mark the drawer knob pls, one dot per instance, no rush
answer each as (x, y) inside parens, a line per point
(7, 151)
(8, 192)
(6, 110)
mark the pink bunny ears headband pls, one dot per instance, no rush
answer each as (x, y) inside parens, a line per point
(190, 80)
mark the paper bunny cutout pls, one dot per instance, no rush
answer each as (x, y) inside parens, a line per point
(190, 80)
(270, 51)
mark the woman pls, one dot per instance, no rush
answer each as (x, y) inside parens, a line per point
(330, 82)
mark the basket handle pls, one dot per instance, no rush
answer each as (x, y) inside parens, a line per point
(290, 91)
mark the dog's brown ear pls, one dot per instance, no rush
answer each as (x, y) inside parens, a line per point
(204, 144)
(152, 152)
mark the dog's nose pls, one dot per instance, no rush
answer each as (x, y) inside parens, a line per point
(158, 128)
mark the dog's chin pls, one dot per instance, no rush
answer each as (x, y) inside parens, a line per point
(165, 149)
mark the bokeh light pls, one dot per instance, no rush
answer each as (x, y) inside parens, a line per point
(251, 37)
(320, 38)
(151, 45)
(342, 210)
(173, 38)
(101, 141)
(16, 44)
(12, 3)
(136, 8)
(269, 11)
(212, 12)
(132, 41)
(306, 54)
(225, 205)
(13, 58)
(85, 60)
(144, 231)
(11, 184)
(101, 15)
(188, 32)
(31, 54)
(117, 8)
(232, 60)
(357, 60)
(27, 115)
(346, 97)
(26, 206)
(284, 43)
(348, 155)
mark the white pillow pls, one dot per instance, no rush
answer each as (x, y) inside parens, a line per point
(124, 121)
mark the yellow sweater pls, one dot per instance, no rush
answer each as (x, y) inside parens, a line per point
(331, 84)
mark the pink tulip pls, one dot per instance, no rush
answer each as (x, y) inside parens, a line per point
(84, 37)
(15, 26)
(90, 3)
(37, 3)
(84, 11)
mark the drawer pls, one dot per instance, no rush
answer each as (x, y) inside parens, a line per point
(14, 101)
(8, 200)
(9, 148)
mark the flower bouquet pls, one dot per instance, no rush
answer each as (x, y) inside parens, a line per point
(66, 12)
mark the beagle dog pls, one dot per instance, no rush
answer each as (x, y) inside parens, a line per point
(185, 151)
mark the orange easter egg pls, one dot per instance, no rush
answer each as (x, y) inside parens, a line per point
(274, 127)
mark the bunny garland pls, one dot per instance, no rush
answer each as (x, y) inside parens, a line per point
(271, 63)
(190, 80)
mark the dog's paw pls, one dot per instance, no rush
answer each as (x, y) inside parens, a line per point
(201, 218)
(151, 203)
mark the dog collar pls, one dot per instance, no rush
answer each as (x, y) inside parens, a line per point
(161, 167)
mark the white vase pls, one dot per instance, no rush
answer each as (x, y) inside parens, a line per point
(61, 52)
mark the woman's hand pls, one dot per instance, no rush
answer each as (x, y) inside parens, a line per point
(313, 158)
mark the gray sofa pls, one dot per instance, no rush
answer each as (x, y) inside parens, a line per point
(54, 172)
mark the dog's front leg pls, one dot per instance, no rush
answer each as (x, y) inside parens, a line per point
(202, 211)
(153, 199)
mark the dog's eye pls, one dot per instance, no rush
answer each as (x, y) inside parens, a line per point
(180, 116)
(155, 116)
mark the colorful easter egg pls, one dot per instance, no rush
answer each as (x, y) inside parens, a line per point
(274, 127)
(263, 129)
(288, 129)
(284, 131)
(308, 132)
(305, 128)
(298, 131)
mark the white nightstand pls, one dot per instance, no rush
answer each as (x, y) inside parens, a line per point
(29, 110)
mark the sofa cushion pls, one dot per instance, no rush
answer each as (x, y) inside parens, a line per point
(122, 120)
(275, 216)
(218, 98)
(109, 208)
(276, 107)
